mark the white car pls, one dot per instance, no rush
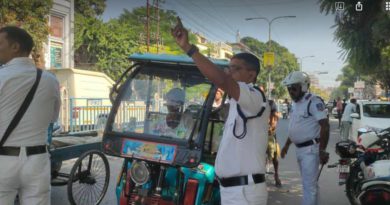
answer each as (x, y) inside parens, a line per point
(372, 115)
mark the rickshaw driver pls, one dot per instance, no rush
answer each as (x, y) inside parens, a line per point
(176, 123)
(240, 161)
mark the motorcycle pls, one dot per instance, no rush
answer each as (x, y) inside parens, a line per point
(361, 167)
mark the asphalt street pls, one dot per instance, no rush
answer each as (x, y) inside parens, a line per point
(290, 193)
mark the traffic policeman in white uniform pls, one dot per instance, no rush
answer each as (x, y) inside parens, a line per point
(309, 131)
(24, 160)
(240, 163)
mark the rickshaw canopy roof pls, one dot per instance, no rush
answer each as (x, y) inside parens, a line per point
(171, 59)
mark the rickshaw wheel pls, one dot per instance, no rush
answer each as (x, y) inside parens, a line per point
(89, 178)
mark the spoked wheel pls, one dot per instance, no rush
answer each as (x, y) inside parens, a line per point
(88, 180)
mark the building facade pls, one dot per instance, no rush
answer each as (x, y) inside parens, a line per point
(217, 50)
(58, 50)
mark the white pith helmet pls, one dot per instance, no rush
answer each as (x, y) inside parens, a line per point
(298, 77)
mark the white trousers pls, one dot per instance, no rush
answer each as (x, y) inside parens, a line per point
(308, 161)
(251, 194)
(28, 177)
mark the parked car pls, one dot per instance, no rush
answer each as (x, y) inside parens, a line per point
(372, 115)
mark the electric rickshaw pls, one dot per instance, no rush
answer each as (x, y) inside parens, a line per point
(168, 152)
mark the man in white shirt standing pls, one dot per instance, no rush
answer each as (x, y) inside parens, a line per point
(240, 162)
(346, 120)
(24, 159)
(309, 130)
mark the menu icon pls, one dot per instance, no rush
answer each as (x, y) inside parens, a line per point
(387, 6)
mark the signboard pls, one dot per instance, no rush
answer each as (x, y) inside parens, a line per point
(269, 59)
(359, 84)
(351, 90)
(151, 151)
(55, 55)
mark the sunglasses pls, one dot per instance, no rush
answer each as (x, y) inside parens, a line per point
(293, 87)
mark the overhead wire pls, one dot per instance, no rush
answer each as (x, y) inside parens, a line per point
(193, 20)
(219, 20)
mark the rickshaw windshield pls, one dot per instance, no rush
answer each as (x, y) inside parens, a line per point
(164, 101)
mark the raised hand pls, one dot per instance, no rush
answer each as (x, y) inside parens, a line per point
(181, 35)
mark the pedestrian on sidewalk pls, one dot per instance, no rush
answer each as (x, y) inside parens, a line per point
(346, 120)
(24, 159)
(309, 131)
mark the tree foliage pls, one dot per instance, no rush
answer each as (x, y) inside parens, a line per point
(90, 8)
(364, 36)
(105, 46)
(34, 21)
(285, 62)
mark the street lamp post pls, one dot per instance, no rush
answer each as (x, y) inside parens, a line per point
(301, 61)
(269, 43)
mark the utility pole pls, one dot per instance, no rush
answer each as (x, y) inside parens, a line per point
(158, 25)
(269, 44)
(147, 26)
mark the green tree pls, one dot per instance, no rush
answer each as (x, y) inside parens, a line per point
(105, 46)
(285, 62)
(34, 21)
(88, 26)
(320, 92)
(348, 78)
(136, 21)
(364, 36)
(90, 8)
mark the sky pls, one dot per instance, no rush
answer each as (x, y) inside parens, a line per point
(309, 34)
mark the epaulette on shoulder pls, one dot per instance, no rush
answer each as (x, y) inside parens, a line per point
(308, 96)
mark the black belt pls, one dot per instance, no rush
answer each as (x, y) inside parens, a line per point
(308, 143)
(241, 180)
(14, 151)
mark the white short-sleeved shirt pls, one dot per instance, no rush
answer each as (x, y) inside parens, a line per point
(303, 126)
(238, 157)
(349, 109)
(16, 80)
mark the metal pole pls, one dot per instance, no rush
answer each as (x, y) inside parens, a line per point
(269, 50)
(147, 26)
(301, 61)
(301, 64)
(158, 25)
(269, 44)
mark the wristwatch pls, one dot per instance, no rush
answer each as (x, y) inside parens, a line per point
(192, 50)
